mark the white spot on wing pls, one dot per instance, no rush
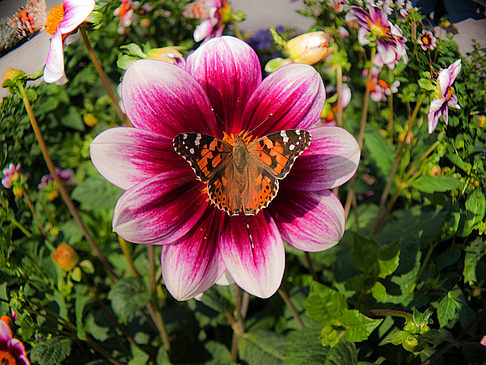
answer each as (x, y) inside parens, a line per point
(285, 137)
(198, 139)
(291, 147)
(297, 131)
(191, 151)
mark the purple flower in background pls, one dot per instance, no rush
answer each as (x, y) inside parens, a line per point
(375, 27)
(62, 20)
(213, 14)
(219, 94)
(427, 40)
(11, 173)
(65, 175)
(445, 96)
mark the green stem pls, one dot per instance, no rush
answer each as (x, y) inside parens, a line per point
(424, 264)
(390, 117)
(311, 266)
(295, 313)
(423, 157)
(61, 187)
(128, 256)
(103, 77)
(364, 117)
(237, 30)
(388, 313)
(339, 116)
(20, 226)
(34, 214)
(396, 163)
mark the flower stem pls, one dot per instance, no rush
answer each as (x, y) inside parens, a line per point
(339, 116)
(387, 313)
(390, 117)
(103, 77)
(364, 117)
(128, 256)
(398, 158)
(295, 313)
(60, 185)
(237, 30)
(34, 214)
(311, 266)
(20, 226)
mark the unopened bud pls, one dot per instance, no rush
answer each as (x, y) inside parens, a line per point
(11, 74)
(167, 54)
(309, 48)
(65, 256)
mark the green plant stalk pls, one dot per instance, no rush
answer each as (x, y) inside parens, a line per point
(423, 157)
(128, 256)
(396, 163)
(104, 78)
(364, 117)
(237, 29)
(390, 117)
(311, 266)
(388, 313)
(60, 185)
(34, 214)
(285, 297)
(20, 226)
(424, 264)
(339, 116)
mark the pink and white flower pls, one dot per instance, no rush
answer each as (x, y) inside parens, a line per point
(11, 173)
(380, 89)
(221, 92)
(62, 20)
(444, 95)
(125, 12)
(427, 40)
(375, 27)
(213, 13)
(12, 351)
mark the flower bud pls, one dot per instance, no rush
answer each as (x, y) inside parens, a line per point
(167, 54)
(65, 256)
(11, 74)
(309, 48)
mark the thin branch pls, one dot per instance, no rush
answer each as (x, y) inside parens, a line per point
(286, 299)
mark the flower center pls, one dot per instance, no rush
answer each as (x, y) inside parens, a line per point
(449, 93)
(231, 138)
(425, 40)
(54, 18)
(6, 358)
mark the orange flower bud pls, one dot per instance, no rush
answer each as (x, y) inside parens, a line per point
(65, 256)
(309, 48)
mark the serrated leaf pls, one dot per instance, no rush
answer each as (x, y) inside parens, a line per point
(475, 210)
(52, 351)
(446, 309)
(138, 357)
(380, 151)
(324, 303)
(426, 84)
(431, 184)
(96, 193)
(81, 299)
(398, 337)
(358, 326)
(378, 291)
(344, 353)
(262, 347)
(127, 296)
(304, 347)
(456, 160)
(220, 353)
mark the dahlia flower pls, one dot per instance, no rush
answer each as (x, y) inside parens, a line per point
(62, 20)
(125, 12)
(11, 173)
(375, 27)
(12, 351)
(213, 13)
(427, 40)
(445, 96)
(221, 94)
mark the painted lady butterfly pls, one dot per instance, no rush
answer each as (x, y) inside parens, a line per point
(243, 177)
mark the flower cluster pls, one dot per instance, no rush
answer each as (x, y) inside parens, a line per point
(444, 95)
(48, 185)
(380, 89)
(13, 179)
(214, 15)
(221, 94)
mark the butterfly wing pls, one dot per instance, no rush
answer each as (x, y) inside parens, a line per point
(278, 151)
(205, 154)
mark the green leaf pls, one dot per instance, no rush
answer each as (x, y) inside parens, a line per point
(344, 353)
(138, 357)
(474, 253)
(96, 193)
(358, 326)
(275, 63)
(398, 337)
(324, 303)
(304, 347)
(133, 50)
(426, 84)
(81, 299)
(262, 347)
(378, 291)
(220, 353)
(456, 160)
(72, 119)
(431, 184)
(446, 308)
(380, 151)
(127, 296)
(52, 351)
(475, 210)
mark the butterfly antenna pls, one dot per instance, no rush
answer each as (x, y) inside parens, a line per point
(217, 116)
(259, 124)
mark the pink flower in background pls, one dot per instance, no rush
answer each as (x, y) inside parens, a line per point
(445, 96)
(65, 175)
(125, 12)
(375, 27)
(12, 351)
(427, 40)
(11, 173)
(62, 20)
(221, 94)
(213, 14)
(329, 113)
(380, 89)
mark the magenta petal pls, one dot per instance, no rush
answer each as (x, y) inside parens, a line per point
(193, 264)
(75, 12)
(54, 68)
(330, 161)
(127, 156)
(309, 221)
(160, 210)
(229, 71)
(253, 253)
(5, 334)
(162, 98)
(291, 97)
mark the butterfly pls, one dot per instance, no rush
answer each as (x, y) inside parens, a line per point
(29, 19)
(242, 178)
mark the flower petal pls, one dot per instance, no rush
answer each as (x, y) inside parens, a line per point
(454, 70)
(75, 12)
(444, 81)
(162, 98)
(388, 52)
(229, 71)
(127, 156)
(160, 210)
(309, 221)
(330, 161)
(193, 264)
(253, 253)
(5, 333)
(291, 97)
(203, 30)
(54, 68)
